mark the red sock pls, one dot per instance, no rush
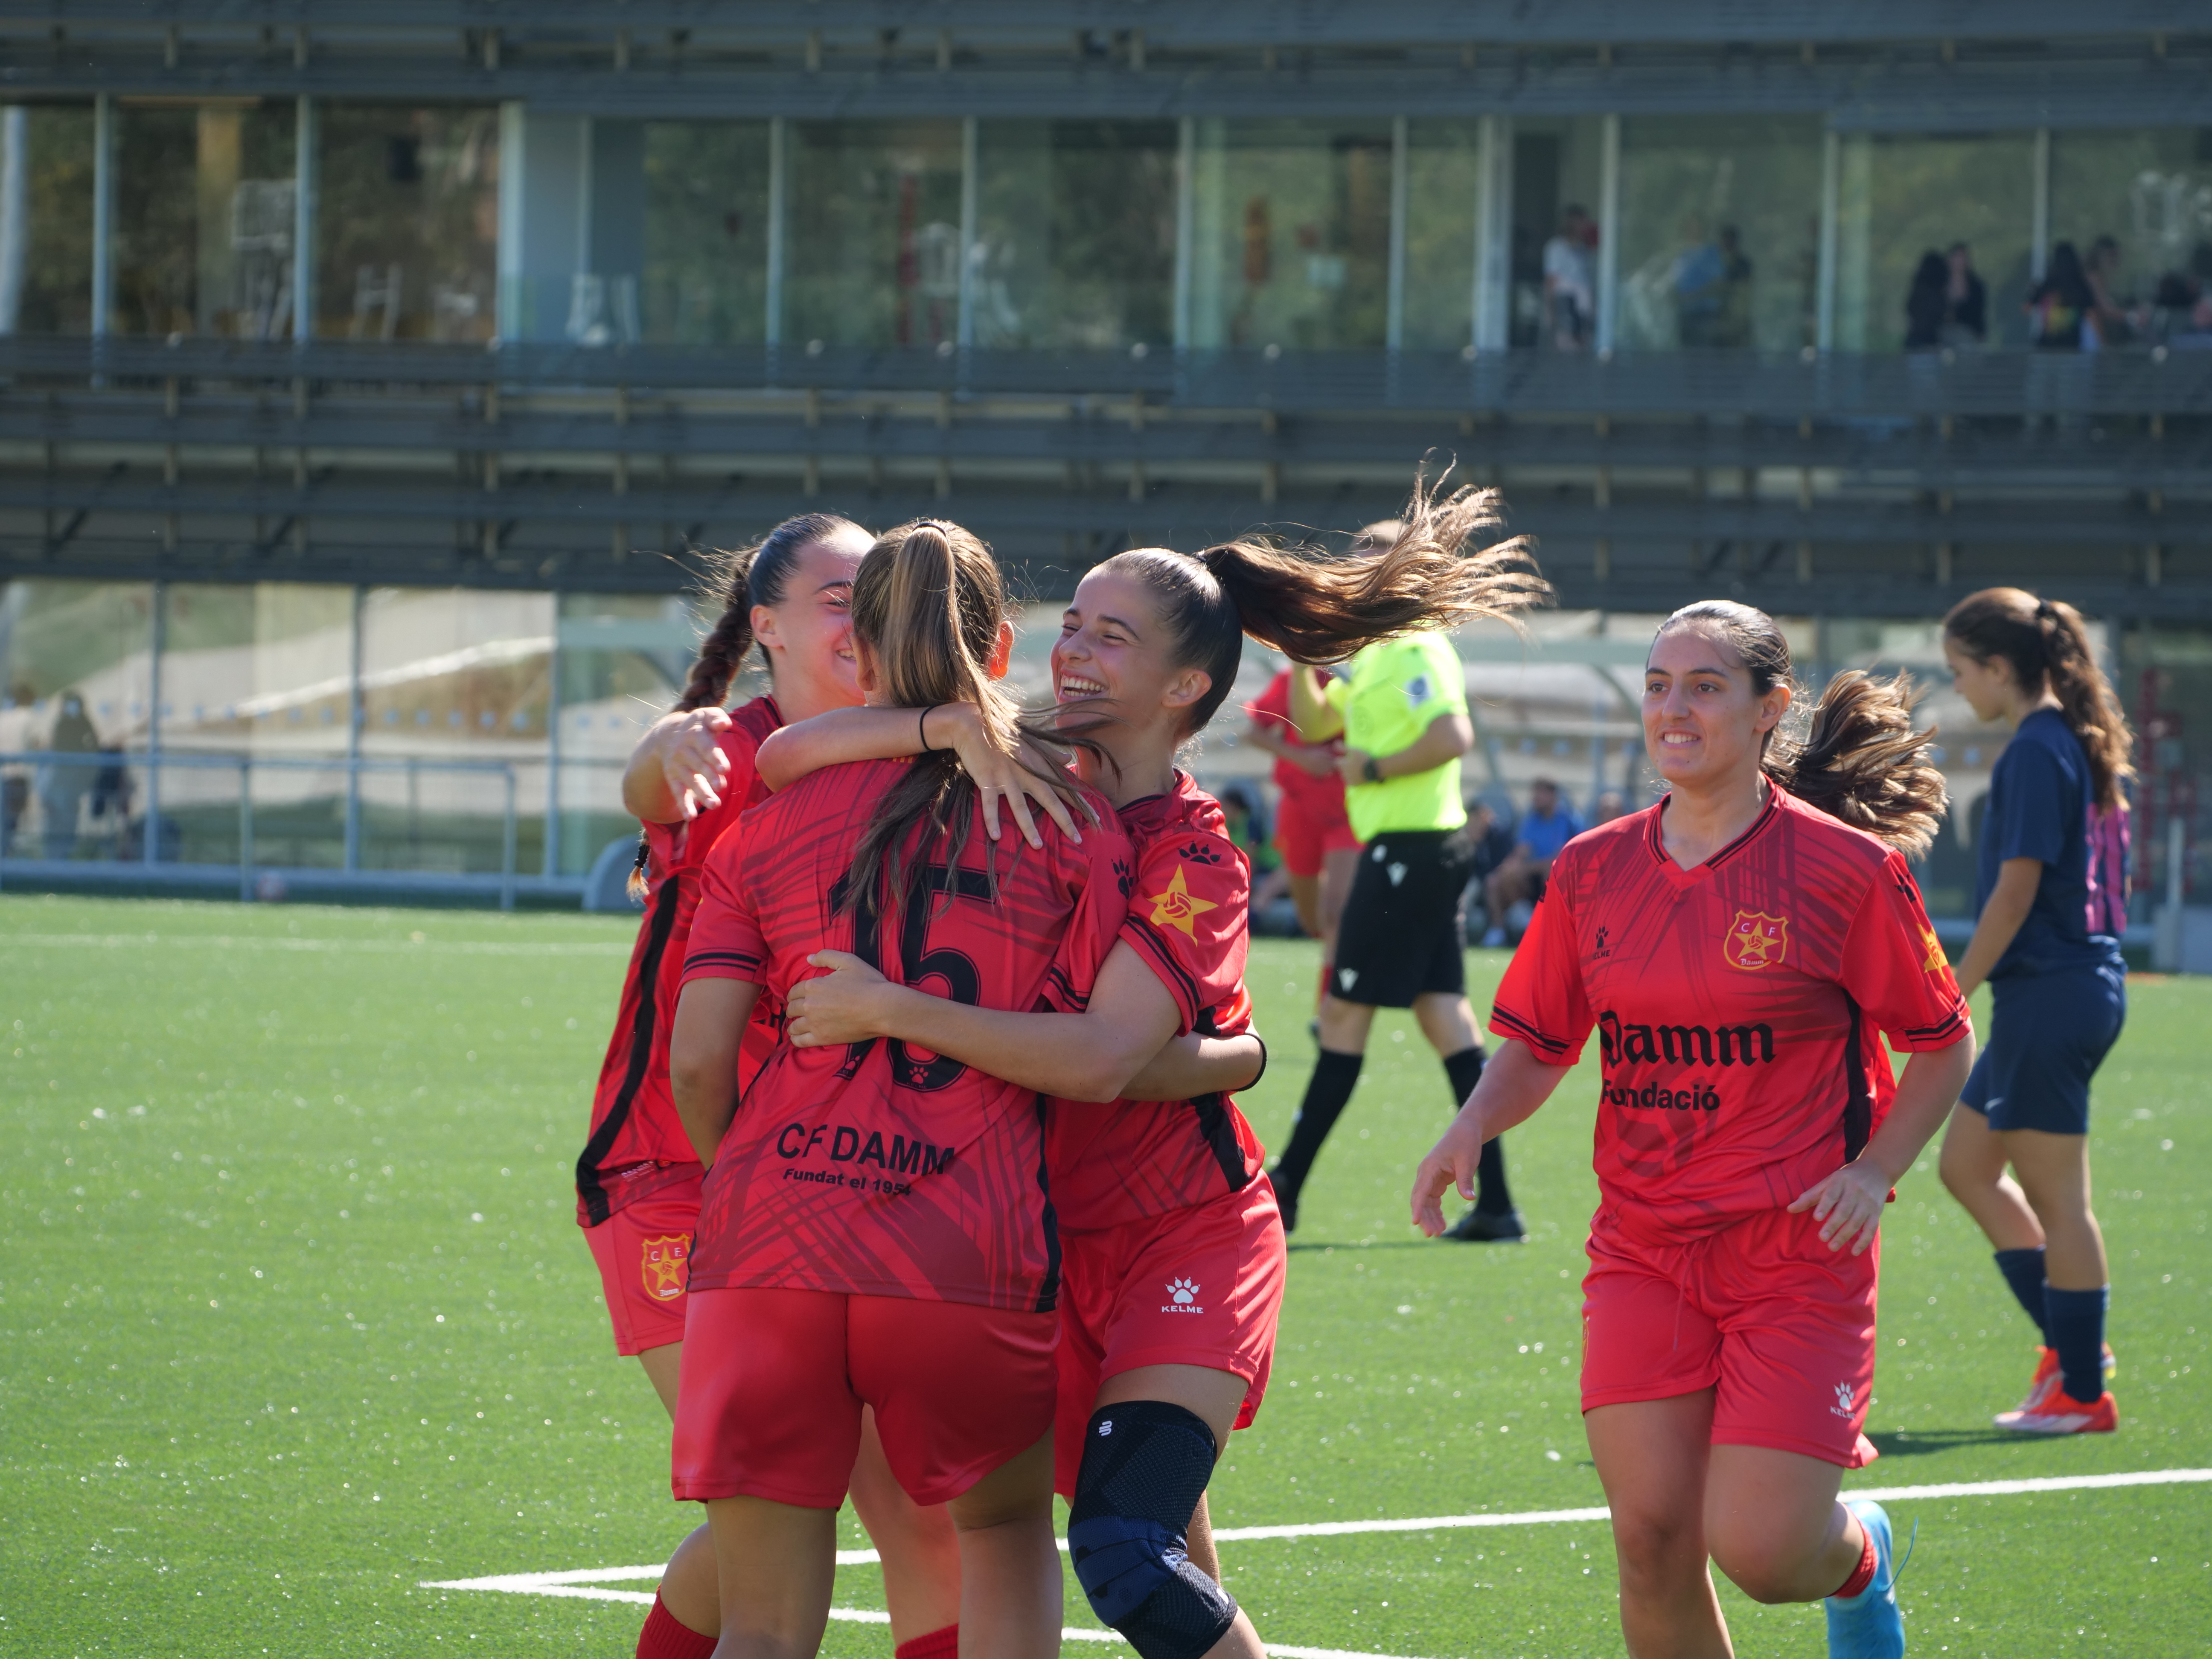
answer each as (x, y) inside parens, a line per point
(938, 1644)
(667, 1637)
(1862, 1575)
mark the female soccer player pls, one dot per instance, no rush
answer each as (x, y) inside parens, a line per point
(1173, 1254)
(1312, 831)
(1741, 948)
(2052, 895)
(637, 1182)
(875, 1230)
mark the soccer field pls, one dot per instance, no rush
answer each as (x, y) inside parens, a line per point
(297, 1330)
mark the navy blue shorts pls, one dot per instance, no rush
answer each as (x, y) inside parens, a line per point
(2048, 1034)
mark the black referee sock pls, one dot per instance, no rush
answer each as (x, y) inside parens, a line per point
(1328, 1092)
(1491, 1196)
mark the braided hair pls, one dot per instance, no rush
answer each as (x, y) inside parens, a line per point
(758, 574)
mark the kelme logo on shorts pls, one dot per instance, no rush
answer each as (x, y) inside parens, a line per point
(1755, 940)
(1182, 1297)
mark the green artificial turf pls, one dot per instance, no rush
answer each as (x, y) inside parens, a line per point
(294, 1315)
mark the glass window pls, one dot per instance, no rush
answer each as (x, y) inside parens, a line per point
(75, 681)
(1720, 233)
(46, 219)
(706, 232)
(1901, 199)
(450, 675)
(2165, 685)
(2137, 207)
(1444, 180)
(624, 659)
(1292, 240)
(1556, 163)
(873, 242)
(407, 229)
(203, 220)
(1075, 234)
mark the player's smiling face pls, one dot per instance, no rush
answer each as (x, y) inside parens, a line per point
(809, 632)
(1115, 650)
(1703, 725)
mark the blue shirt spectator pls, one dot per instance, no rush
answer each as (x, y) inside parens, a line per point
(1549, 823)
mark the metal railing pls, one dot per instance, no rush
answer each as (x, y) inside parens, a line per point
(141, 844)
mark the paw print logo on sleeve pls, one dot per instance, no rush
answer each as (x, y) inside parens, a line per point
(1182, 1297)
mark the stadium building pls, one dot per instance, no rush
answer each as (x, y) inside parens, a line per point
(377, 371)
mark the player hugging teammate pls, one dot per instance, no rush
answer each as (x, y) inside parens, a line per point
(1741, 948)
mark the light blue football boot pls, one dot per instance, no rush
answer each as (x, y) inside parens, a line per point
(1868, 1625)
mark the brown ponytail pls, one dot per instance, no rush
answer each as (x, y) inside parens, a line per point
(1858, 758)
(752, 575)
(927, 604)
(1313, 608)
(2046, 644)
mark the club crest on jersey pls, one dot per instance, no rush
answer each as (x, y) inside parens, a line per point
(1179, 907)
(1935, 962)
(666, 1264)
(1182, 1297)
(1756, 940)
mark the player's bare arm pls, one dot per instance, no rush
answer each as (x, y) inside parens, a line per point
(877, 733)
(1315, 718)
(2001, 917)
(1514, 1084)
(1191, 1066)
(678, 769)
(1090, 1056)
(1314, 759)
(1448, 737)
(703, 1057)
(1848, 1203)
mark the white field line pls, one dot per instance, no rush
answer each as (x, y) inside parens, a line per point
(581, 1584)
(346, 946)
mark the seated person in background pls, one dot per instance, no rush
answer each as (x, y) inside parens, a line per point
(1548, 825)
(1493, 844)
(1251, 834)
(1610, 804)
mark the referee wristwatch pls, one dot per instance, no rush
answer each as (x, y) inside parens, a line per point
(1370, 770)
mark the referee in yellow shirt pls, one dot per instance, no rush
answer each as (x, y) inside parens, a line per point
(1403, 714)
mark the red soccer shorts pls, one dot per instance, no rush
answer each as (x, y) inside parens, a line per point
(1780, 1327)
(644, 1253)
(768, 1400)
(1304, 837)
(1201, 1286)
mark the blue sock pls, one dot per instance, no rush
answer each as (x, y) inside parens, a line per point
(2023, 1271)
(2075, 1320)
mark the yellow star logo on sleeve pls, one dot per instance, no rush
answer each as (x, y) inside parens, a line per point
(1935, 961)
(1179, 907)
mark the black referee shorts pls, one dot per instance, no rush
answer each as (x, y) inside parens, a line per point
(1401, 935)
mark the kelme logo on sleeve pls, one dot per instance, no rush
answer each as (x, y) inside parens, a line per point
(1755, 940)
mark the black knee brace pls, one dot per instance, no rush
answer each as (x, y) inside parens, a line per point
(1146, 1463)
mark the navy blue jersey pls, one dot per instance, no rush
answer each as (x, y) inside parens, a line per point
(2041, 797)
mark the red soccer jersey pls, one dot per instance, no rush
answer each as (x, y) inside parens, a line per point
(1187, 919)
(1740, 1007)
(1323, 797)
(879, 1169)
(636, 1139)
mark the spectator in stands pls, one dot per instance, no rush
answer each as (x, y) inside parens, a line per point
(1965, 300)
(2111, 316)
(62, 783)
(1610, 804)
(1569, 288)
(1925, 303)
(2058, 310)
(1548, 825)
